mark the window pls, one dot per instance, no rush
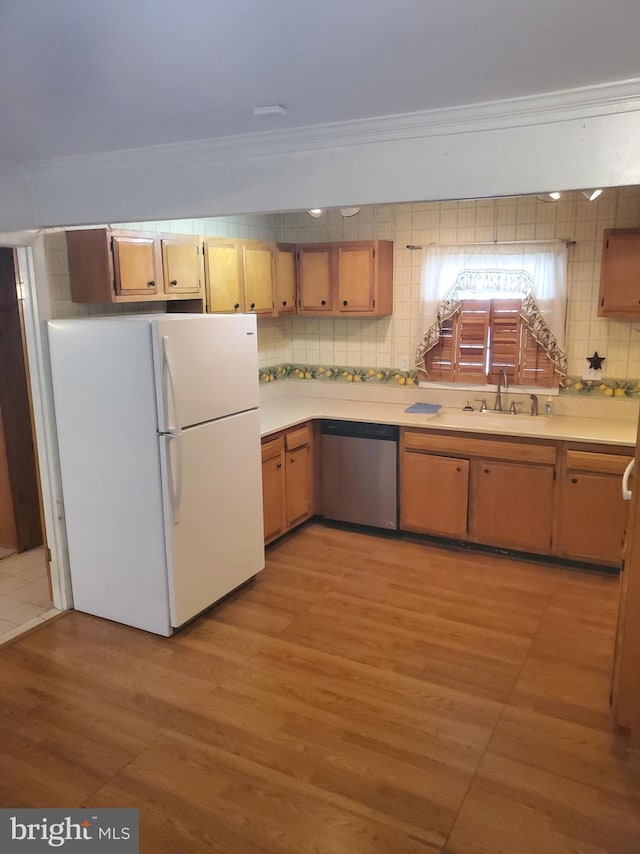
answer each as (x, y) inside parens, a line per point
(484, 337)
(494, 307)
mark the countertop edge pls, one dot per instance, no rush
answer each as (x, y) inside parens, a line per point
(282, 414)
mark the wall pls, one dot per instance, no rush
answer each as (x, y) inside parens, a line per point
(391, 341)
(580, 138)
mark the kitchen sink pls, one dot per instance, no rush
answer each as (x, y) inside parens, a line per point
(494, 421)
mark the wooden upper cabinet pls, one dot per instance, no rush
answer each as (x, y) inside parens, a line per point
(355, 277)
(182, 264)
(135, 265)
(239, 275)
(285, 286)
(620, 274)
(223, 275)
(116, 265)
(257, 274)
(348, 278)
(315, 262)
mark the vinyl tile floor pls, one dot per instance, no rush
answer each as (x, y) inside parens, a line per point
(24, 593)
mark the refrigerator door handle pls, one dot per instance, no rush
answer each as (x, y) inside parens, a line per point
(175, 475)
(626, 492)
(169, 391)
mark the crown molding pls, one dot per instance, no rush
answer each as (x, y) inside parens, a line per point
(562, 106)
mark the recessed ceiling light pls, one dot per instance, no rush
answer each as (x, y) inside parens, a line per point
(270, 110)
(591, 194)
(315, 212)
(349, 211)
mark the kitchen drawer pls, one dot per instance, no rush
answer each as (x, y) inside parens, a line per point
(297, 438)
(590, 461)
(416, 440)
(271, 448)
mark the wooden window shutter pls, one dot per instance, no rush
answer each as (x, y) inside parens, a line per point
(536, 368)
(471, 340)
(505, 339)
(440, 360)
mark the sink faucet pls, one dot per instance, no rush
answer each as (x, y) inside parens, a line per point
(502, 380)
(534, 404)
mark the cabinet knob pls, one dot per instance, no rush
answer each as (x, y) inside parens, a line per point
(253, 305)
(487, 471)
(345, 302)
(574, 480)
(237, 306)
(323, 302)
(458, 468)
(284, 302)
(292, 459)
(278, 465)
(174, 283)
(151, 284)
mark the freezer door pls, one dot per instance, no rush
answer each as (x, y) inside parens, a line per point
(206, 367)
(213, 511)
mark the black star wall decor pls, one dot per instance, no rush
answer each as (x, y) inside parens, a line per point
(595, 361)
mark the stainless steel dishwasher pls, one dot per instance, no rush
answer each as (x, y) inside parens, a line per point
(360, 473)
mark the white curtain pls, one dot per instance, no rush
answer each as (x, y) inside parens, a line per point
(535, 271)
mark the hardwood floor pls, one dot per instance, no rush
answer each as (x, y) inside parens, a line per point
(364, 695)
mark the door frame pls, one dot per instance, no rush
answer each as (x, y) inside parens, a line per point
(35, 294)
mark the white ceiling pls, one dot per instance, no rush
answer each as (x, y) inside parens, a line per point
(88, 76)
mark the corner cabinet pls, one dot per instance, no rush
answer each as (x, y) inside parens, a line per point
(620, 274)
(287, 480)
(118, 266)
(352, 278)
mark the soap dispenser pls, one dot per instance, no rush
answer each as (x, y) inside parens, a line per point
(548, 407)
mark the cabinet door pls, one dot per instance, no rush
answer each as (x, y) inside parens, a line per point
(285, 279)
(273, 489)
(314, 278)
(257, 267)
(298, 478)
(592, 517)
(434, 494)
(223, 275)
(355, 277)
(135, 265)
(182, 265)
(620, 273)
(511, 505)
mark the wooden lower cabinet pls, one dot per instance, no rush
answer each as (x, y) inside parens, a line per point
(546, 497)
(434, 494)
(287, 480)
(511, 504)
(273, 488)
(592, 514)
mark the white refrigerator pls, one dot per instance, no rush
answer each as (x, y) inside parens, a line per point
(159, 443)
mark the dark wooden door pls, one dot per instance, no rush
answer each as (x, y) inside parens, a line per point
(15, 404)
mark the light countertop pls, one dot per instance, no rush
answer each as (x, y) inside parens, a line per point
(281, 413)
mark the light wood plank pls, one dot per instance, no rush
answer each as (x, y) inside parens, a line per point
(365, 694)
